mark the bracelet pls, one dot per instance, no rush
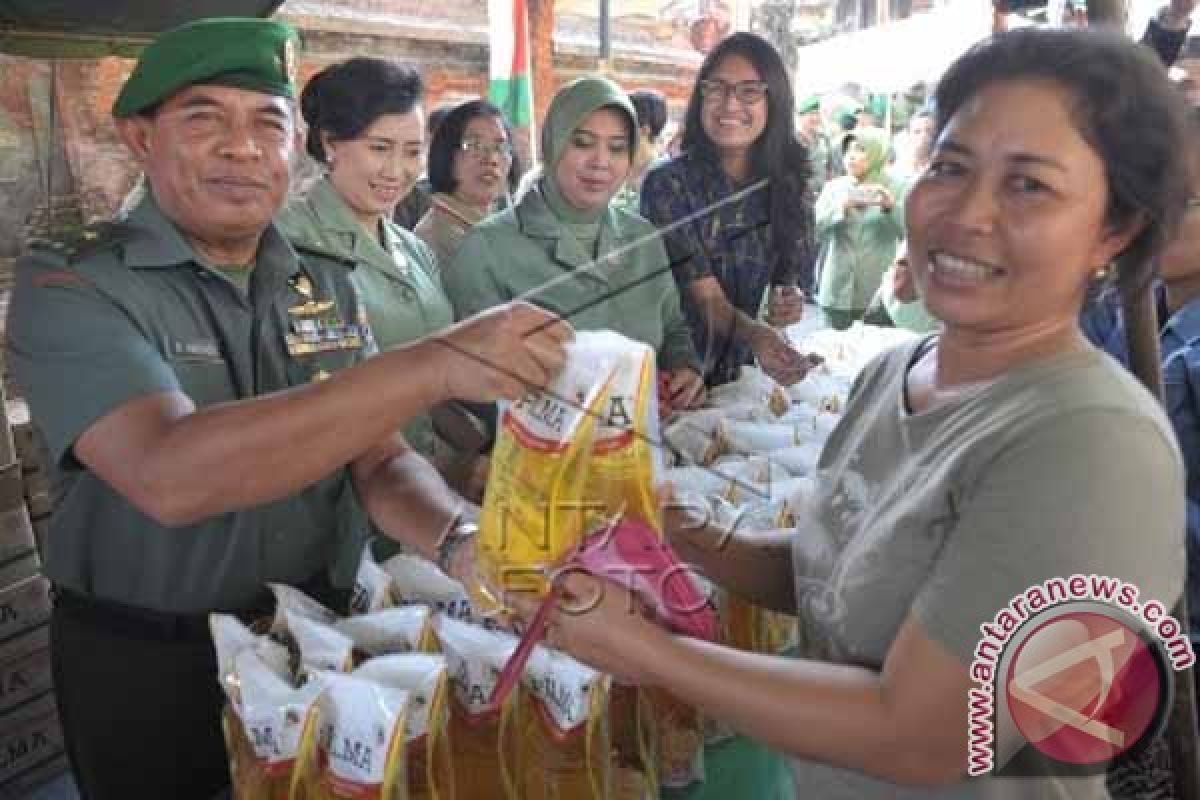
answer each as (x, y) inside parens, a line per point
(458, 535)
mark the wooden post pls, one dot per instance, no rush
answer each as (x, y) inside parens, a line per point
(541, 40)
(1145, 361)
(1107, 13)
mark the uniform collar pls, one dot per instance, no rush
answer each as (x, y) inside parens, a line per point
(157, 243)
(461, 213)
(334, 215)
(537, 221)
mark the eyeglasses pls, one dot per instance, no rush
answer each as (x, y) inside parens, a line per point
(483, 150)
(748, 93)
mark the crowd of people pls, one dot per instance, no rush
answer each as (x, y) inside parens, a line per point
(239, 387)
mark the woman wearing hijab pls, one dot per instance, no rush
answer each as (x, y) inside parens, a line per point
(567, 248)
(860, 223)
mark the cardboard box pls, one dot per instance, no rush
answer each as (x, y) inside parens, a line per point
(40, 502)
(12, 489)
(31, 748)
(25, 442)
(41, 532)
(23, 784)
(30, 447)
(25, 673)
(8, 448)
(24, 609)
(18, 547)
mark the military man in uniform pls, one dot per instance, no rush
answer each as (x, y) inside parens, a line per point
(203, 391)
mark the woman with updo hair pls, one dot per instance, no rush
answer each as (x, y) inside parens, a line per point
(367, 130)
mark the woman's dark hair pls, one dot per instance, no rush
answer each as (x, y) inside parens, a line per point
(344, 99)
(651, 108)
(777, 153)
(1123, 107)
(435, 117)
(447, 143)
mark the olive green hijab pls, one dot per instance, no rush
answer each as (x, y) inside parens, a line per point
(569, 108)
(875, 142)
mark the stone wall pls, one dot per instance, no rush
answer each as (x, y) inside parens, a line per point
(62, 164)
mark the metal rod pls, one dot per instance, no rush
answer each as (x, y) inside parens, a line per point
(605, 52)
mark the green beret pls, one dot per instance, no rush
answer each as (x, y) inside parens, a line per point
(809, 104)
(244, 52)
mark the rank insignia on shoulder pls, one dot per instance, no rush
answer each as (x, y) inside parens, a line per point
(92, 240)
(58, 277)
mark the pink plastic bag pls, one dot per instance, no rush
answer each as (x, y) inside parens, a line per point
(631, 554)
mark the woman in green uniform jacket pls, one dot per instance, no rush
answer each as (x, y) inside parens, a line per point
(366, 128)
(567, 248)
(860, 222)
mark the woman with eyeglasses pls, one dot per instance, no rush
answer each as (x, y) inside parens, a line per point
(366, 129)
(568, 248)
(735, 213)
(472, 166)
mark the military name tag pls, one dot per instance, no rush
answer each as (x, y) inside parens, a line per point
(202, 348)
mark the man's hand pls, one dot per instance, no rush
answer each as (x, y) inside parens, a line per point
(503, 352)
(785, 306)
(777, 357)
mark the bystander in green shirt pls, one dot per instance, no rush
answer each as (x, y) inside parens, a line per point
(600, 269)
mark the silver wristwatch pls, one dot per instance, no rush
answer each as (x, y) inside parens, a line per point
(460, 534)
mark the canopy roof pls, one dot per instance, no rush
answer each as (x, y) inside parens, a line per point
(95, 28)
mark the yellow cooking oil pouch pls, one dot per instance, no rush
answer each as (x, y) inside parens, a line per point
(429, 755)
(534, 508)
(627, 447)
(373, 589)
(267, 730)
(486, 760)
(565, 733)
(359, 752)
(403, 629)
(415, 581)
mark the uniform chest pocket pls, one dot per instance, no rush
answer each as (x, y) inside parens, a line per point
(205, 380)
